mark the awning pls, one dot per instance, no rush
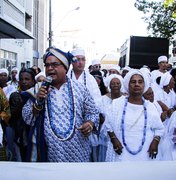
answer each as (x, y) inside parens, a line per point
(110, 59)
(9, 31)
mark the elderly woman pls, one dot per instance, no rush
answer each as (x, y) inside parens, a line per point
(114, 84)
(134, 125)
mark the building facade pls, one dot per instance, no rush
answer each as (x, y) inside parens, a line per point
(23, 36)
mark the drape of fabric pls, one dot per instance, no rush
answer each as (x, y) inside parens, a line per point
(167, 98)
(168, 142)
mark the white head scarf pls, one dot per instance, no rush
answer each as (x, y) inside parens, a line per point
(116, 67)
(108, 79)
(165, 79)
(126, 68)
(3, 70)
(14, 69)
(128, 77)
(146, 72)
(39, 74)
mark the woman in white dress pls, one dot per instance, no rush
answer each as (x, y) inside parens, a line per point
(133, 124)
(114, 84)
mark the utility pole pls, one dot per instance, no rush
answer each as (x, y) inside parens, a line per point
(50, 25)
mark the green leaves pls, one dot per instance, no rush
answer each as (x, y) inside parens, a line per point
(160, 17)
(168, 3)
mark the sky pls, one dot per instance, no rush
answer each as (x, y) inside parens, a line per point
(108, 23)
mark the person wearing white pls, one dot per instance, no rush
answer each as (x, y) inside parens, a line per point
(7, 88)
(169, 142)
(114, 84)
(166, 93)
(168, 97)
(133, 125)
(162, 63)
(15, 79)
(78, 73)
(114, 69)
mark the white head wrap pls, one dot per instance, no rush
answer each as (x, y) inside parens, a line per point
(126, 68)
(3, 70)
(146, 72)
(95, 61)
(39, 74)
(108, 79)
(116, 67)
(14, 69)
(78, 52)
(165, 79)
(128, 77)
(162, 59)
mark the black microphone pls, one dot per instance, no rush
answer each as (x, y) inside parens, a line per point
(45, 84)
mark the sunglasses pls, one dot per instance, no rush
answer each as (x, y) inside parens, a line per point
(97, 66)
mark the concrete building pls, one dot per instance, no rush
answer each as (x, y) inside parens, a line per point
(23, 32)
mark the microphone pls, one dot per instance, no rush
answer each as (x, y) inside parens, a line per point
(45, 84)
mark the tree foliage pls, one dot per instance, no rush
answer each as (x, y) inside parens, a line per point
(159, 17)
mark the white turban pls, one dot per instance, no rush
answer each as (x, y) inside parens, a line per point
(128, 77)
(3, 70)
(165, 79)
(39, 74)
(78, 52)
(162, 59)
(108, 79)
(95, 61)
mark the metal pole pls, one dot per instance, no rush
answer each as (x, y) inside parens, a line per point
(50, 25)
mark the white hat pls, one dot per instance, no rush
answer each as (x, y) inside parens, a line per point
(78, 51)
(162, 59)
(95, 61)
(3, 70)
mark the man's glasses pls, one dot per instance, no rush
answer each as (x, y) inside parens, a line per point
(97, 66)
(53, 64)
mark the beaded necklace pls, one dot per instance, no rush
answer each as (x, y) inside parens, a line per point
(123, 128)
(84, 76)
(68, 133)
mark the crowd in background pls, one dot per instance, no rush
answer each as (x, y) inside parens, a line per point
(88, 115)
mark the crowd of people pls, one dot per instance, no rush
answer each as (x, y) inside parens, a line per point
(72, 114)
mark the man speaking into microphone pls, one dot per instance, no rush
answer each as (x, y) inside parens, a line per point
(66, 116)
